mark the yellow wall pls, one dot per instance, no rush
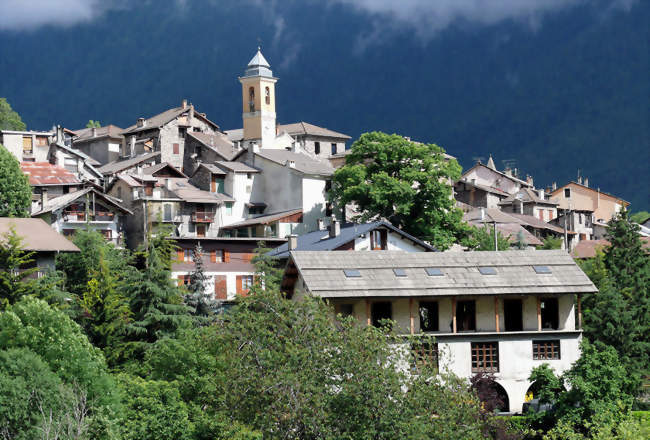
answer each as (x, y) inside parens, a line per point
(253, 123)
(582, 198)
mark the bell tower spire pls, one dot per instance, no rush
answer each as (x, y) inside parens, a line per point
(258, 101)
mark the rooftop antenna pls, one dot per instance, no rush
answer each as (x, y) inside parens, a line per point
(509, 163)
(478, 159)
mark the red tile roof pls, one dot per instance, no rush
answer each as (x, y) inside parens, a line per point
(44, 173)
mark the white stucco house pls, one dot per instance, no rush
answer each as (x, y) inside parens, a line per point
(502, 313)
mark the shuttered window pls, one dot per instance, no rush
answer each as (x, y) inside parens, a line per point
(485, 357)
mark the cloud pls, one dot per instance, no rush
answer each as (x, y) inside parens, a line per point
(428, 17)
(31, 14)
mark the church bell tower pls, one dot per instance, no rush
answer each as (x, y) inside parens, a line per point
(258, 101)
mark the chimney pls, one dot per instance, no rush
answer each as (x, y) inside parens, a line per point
(292, 242)
(168, 184)
(529, 180)
(250, 153)
(320, 223)
(94, 132)
(586, 182)
(191, 114)
(132, 146)
(580, 180)
(43, 198)
(335, 228)
(292, 164)
(541, 193)
(184, 103)
(554, 186)
(141, 122)
(508, 172)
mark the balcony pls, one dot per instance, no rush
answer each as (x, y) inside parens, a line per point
(80, 216)
(203, 217)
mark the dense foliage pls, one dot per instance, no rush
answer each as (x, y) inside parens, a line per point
(15, 192)
(9, 119)
(407, 183)
(481, 238)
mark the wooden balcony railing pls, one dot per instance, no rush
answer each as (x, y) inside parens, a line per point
(203, 217)
(80, 216)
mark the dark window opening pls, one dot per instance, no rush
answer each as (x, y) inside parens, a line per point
(466, 316)
(333, 149)
(378, 239)
(550, 313)
(513, 318)
(267, 95)
(546, 350)
(316, 147)
(485, 357)
(567, 193)
(251, 99)
(429, 316)
(425, 354)
(167, 212)
(181, 132)
(344, 310)
(380, 311)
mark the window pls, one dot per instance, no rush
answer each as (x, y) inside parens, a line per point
(378, 239)
(466, 316)
(344, 309)
(119, 192)
(380, 311)
(546, 350)
(487, 270)
(244, 284)
(176, 149)
(549, 311)
(249, 176)
(316, 147)
(550, 214)
(567, 193)
(333, 148)
(218, 184)
(27, 145)
(148, 189)
(185, 255)
(541, 214)
(70, 164)
(399, 272)
(425, 354)
(352, 273)
(107, 234)
(542, 269)
(429, 316)
(328, 209)
(251, 99)
(183, 280)
(267, 95)
(41, 141)
(200, 230)
(181, 132)
(513, 318)
(580, 218)
(433, 272)
(485, 357)
(216, 256)
(228, 208)
(167, 212)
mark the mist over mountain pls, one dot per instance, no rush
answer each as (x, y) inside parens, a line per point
(557, 85)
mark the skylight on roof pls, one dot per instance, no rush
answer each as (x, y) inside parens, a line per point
(399, 272)
(433, 272)
(542, 269)
(487, 270)
(352, 273)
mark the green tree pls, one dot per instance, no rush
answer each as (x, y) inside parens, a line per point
(640, 217)
(520, 242)
(267, 269)
(93, 124)
(481, 238)
(153, 411)
(15, 192)
(551, 242)
(9, 119)
(15, 270)
(407, 183)
(60, 343)
(200, 304)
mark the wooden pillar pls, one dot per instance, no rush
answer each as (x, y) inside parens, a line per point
(367, 311)
(539, 314)
(453, 314)
(496, 313)
(579, 312)
(412, 321)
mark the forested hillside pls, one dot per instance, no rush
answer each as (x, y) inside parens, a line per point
(570, 93)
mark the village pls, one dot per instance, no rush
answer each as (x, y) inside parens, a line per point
(222, 194)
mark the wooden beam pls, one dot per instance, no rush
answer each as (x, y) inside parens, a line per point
(412, 321)
(368, 312)
(453, 314)
(579, 312)
(539, 314)
(496, 313)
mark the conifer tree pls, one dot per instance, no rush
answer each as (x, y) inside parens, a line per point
(15, 281)
(267, 269)
(200, 304)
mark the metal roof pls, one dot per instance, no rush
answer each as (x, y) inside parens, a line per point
(321, 240)
(322, 273)
(37, 235)
(44, 173)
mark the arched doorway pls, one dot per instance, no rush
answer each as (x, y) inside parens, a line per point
(492, 395)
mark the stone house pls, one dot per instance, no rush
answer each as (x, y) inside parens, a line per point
(27, 146)
(75, 161)
(166, 132)
(87, 207)
(104, 144)
(579, 221)
(204, 148)
(37, 237)
(530, 202)
(578, 196)
(502, 313)
(48, 181)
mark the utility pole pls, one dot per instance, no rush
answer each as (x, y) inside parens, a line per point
(496, 242)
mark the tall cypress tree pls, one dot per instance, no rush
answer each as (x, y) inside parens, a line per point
(200, 304)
